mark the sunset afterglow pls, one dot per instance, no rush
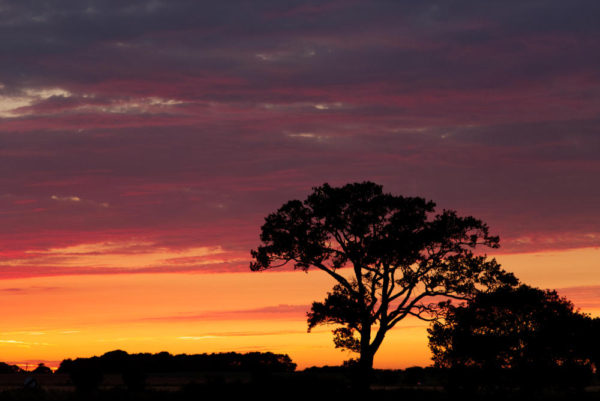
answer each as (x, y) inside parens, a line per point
(142, 144)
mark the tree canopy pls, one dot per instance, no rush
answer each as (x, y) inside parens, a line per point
(119, 361)
(42, 369)
(6, 368)
(523, 338)
(402, 259)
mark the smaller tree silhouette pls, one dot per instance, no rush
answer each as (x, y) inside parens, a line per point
(42, 369)
(518, 339)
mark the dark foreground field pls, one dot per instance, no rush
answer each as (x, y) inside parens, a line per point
(304, 386)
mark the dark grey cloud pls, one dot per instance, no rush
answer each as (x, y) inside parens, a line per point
(459, 43)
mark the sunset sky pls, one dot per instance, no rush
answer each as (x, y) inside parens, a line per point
(142, 143)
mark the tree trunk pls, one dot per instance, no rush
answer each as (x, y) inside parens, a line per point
(365, 372)
(365, 364)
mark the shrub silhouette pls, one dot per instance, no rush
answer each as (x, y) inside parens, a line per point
(134, 380)
(522, 339)
(414, 376)
(87, 379)
(42, 369)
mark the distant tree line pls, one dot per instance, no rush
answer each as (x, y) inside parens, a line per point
(119, 362)
(6, 368)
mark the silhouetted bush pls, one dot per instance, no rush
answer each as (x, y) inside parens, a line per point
(87, 379)
(42, 369)
(414, 376)
(134, 380)
(387, 377)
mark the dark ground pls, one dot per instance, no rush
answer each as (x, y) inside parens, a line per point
(306, 386)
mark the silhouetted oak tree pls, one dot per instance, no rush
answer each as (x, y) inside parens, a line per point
(522, 338)
(401, 257)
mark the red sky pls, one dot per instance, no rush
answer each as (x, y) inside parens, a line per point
(142, 144)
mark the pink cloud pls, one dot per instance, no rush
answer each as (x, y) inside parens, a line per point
(285, 312)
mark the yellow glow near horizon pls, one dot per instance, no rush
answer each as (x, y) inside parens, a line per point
(555, 269)
(52, 318)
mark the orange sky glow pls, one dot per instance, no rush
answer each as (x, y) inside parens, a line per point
(143, 143)
(51, 318)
